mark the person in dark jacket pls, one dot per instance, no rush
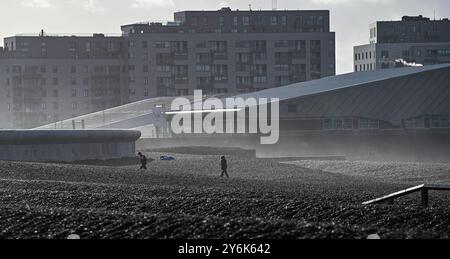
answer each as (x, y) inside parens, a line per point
(224, 166)
(143, 161)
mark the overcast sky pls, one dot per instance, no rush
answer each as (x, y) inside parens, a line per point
(350, 19)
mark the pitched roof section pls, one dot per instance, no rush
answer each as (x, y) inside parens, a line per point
(334, 83)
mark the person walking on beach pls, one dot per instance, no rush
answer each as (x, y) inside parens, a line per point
(143, 161)
(224, 166)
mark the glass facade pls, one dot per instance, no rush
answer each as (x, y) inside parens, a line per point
(338, 123)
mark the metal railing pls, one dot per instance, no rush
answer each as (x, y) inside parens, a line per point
(424, 189)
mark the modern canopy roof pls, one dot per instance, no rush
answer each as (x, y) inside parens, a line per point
(334, 83)
(354, 94)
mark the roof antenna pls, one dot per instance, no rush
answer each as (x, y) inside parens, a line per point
(274, 5)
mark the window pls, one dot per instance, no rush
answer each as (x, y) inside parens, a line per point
(259, 69)
(205, 21)
(235, 21)
(440, 121)
(55, 69)
(246, 21)
(281, 67)
(74, 92)
(367, 124)
(243, 80)
(146, 81)
(443, 52)
(163, 68)
(146, 92)
(203, 68)
(144, 44)
(220, 69)
(181, 70)
(273, 20)
(282, 80)
(222, 90)
(415, 123)
(283, 20)
(55, 81)
(242, 57)
(338, 124)
(219, 46)
(86, 93)
(162, 44)
(73, 69)
(385, 54)
(194, 21)
(73, 81)
(260, 79)
(74, 105)
(55, 106)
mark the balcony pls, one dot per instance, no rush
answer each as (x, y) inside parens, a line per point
(181, 79)
(220, 55)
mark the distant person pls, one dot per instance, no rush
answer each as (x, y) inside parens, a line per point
(224, 166)
(143, 161)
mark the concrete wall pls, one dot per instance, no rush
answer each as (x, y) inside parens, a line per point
(67, 145)
(428, 145)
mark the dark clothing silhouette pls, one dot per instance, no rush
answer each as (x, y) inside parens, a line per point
(224, 166)
(143, 162)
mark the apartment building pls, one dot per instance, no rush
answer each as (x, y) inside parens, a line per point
(413, 41)
(228, 52)
(44, 79)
